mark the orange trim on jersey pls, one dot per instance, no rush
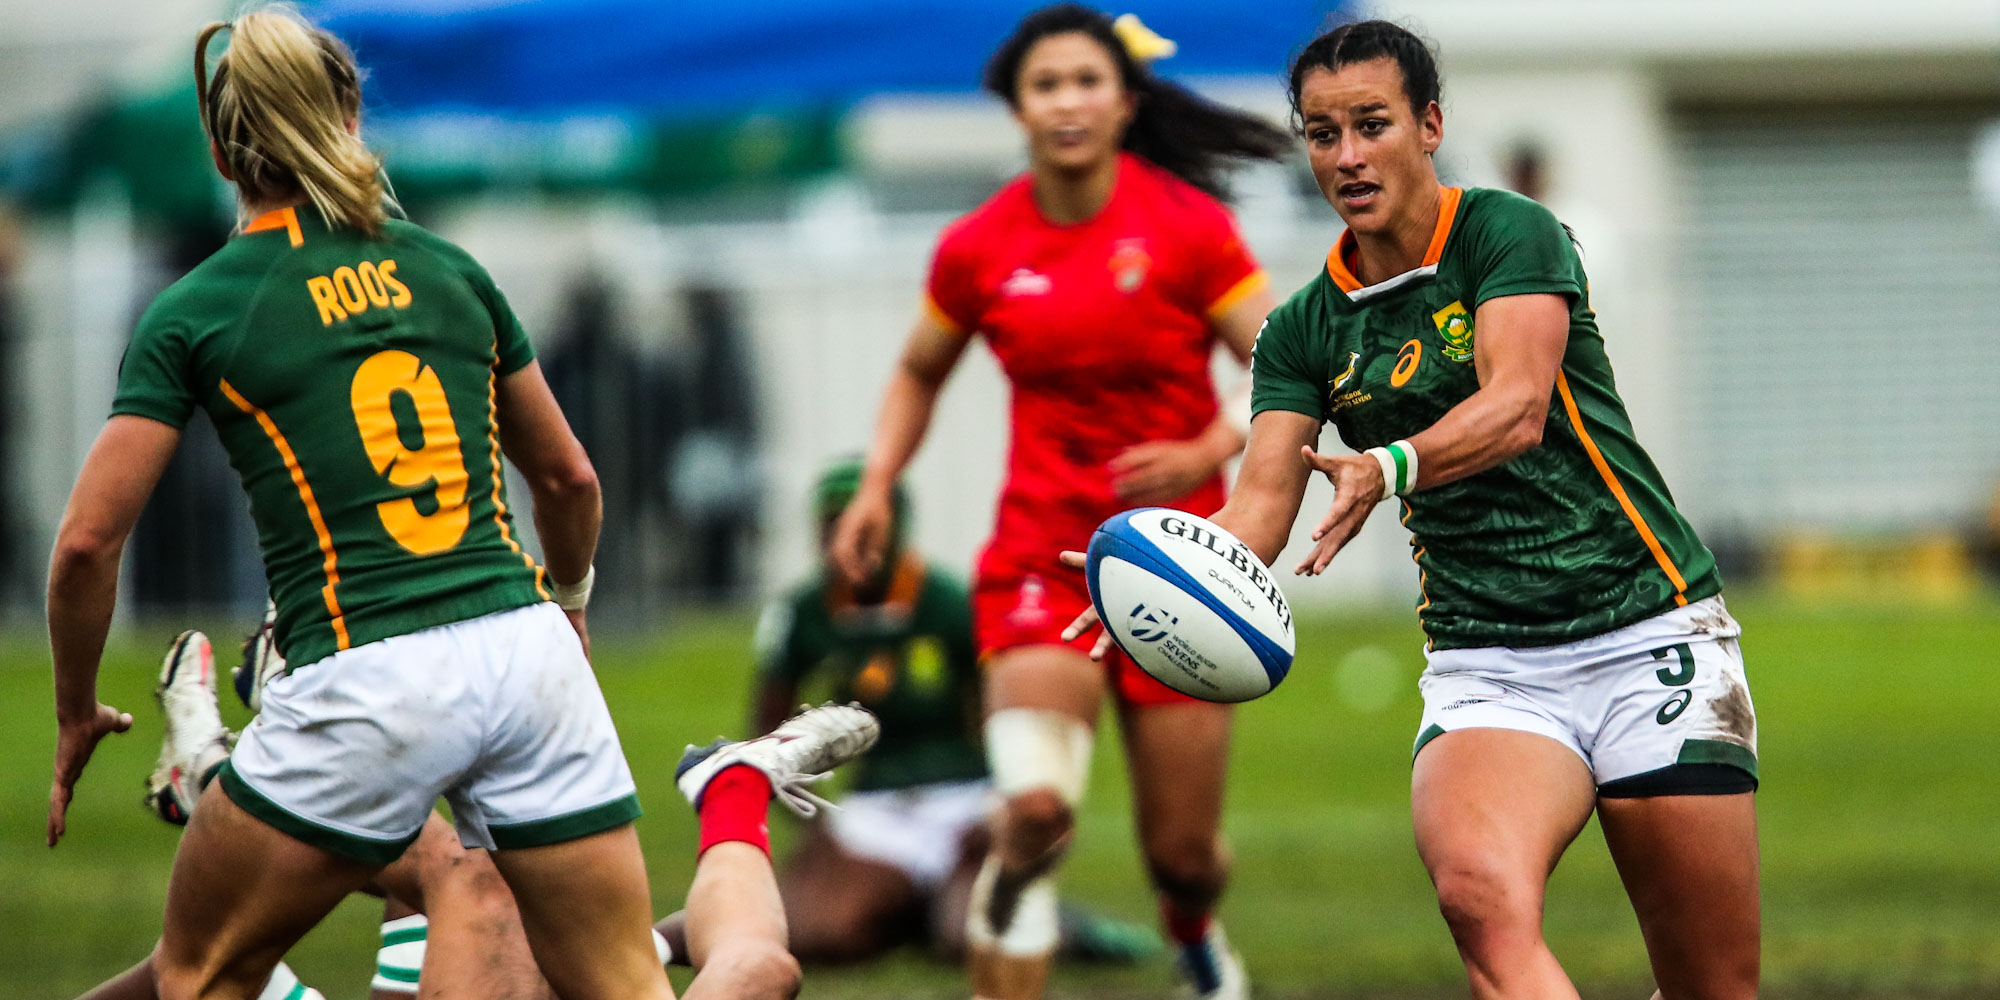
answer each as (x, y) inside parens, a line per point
(1618, 490)
(904, 587)
(285, 452)
(499, 504)
(1417, 556)
(940, 317)
(1252, 283)
(286, 219)
(1344, 247)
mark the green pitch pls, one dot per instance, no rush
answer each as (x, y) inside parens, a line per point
(1881, 827)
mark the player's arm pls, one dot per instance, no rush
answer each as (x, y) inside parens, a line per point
(1517, 355)
(1158, 471)
(568, 507)
(118, 475)
(909, 401)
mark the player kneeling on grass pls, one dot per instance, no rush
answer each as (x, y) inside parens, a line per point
(450, 924)
(895, 864)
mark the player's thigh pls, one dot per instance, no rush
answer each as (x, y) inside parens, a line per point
(1493, 810)
(1046, 676)
(1690, 866)
(585, 906)
(1178, 757)
(241, 894)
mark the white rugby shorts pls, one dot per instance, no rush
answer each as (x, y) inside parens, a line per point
(501, 715)
(1635, 703)
(916, 830)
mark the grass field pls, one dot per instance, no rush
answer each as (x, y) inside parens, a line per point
(1881, 824)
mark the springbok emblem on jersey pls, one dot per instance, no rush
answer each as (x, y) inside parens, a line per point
(1341, 379)
(1454, 324)
(1129, 264)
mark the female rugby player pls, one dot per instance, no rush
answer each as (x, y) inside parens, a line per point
(1102, 280)
(362, 373)
(1580, 655)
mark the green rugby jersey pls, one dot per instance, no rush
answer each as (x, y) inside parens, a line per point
(910, 660)
(351, 381)
(1575, 537)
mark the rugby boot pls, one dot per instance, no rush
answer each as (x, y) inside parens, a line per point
(195, 741)
(803, 750)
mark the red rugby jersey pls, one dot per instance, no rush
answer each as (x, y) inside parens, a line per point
(1103, 330)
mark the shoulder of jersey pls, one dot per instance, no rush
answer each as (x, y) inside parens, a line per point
(1001, 210)
(1169, 187)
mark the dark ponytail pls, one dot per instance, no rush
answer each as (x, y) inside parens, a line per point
(1365, 41)
(1189, 136)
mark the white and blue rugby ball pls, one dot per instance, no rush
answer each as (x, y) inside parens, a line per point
(1189, 603)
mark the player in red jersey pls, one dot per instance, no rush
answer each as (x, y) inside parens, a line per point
(1102, 279)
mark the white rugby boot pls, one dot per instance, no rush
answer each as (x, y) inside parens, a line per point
(261, 662)
(801, 751)
(195, 740)
(1211, 969)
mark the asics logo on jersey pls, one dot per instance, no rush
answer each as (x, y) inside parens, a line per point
(351, 290)
(1025, 282)
(1150, 624)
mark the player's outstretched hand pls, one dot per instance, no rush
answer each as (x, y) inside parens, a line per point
(1088, 620)
(1155, 472)
(75, 742)
(1357, 488)
(861, 535)
(576, 621)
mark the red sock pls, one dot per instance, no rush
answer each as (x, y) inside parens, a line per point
(733, 807)
(1184, 930)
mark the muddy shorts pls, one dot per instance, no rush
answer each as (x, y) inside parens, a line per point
(500, 715)
(1661, 707)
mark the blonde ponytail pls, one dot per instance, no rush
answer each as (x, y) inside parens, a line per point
(278, 108)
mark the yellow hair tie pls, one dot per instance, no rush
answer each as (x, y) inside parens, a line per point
(1142, 43)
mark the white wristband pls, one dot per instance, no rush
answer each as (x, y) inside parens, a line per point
(574, 596)
(1399, 467)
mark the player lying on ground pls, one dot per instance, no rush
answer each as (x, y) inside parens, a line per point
(1103, 279)
(895, 864)
(452, 917)
(1580, 656)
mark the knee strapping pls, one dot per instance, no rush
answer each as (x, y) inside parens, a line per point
(1029, 748)
(1031, 928)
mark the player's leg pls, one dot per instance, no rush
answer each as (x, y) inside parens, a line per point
(735, 924)
(1493, 811)
(241, 895)
(1690, 866)
(1677, 769)
(1042, 703)
(1178, 755)
(450, 915)
(586, 911)
(839, 906)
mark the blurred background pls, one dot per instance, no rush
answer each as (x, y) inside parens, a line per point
(715, 219)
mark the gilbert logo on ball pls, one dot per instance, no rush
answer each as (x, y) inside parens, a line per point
(1228, 636)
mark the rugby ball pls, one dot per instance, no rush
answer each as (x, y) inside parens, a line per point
(1190, 604)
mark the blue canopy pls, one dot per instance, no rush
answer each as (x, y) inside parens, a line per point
(702, 58)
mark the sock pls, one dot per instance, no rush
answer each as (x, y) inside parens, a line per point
(662, 948)
(1184, 930)
(283, 985)
(733, 807)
